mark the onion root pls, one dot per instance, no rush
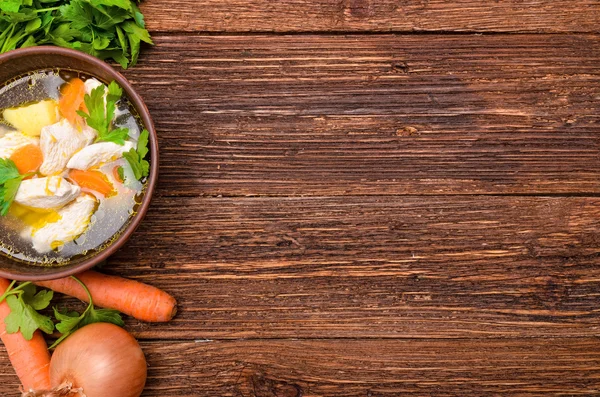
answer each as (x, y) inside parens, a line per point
(64, 390)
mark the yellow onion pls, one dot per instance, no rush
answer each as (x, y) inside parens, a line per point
(98, 360)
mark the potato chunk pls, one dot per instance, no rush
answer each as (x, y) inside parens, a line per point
(32, 118)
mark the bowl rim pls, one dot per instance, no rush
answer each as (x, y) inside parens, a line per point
(144, 114)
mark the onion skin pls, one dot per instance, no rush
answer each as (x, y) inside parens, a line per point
(102, 359)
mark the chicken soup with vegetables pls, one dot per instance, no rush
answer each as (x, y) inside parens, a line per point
(73, 165)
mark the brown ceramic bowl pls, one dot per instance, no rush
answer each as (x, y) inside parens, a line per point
(22, 61)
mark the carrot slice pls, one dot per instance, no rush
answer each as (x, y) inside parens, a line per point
(29, 358)
(93, 180)
(71, 100)
(116, 174)
(136, 299)
(28, 158)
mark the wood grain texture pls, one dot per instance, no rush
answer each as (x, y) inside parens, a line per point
(354, 368)
(372, 16)
(368, 267)
(344, 214)
(372, 115)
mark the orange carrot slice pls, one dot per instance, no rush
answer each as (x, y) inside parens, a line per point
(93, 180)
(71, 100)
(28, 158)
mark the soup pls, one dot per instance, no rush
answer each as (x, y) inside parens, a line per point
(73, 166)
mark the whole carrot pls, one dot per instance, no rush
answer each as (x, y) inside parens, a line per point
(136, 299)
(29, 358)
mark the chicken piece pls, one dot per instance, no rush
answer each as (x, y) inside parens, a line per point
(59, 142)
(12, 141)
(98, 153)
(75, 219)
(90, 84)
(52, 192)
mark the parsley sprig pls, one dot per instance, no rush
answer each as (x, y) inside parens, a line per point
(24, 304)
(101, 107)
(72, 321)
(10, 180)
(136, 157)
(103, 28)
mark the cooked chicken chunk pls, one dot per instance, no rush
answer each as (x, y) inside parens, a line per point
(90, 84)
(12, 141)
(74, 221)
(59, 142)
(98, 153)
(52, 192)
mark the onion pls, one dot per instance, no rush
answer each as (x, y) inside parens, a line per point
(98, 360)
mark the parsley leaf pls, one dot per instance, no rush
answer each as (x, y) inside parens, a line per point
(8, 170)
(121, 173)
(124, 4)
(24, 303)
(103, 28)
(142, 144)
(101, 106)
(114, 91)
(11, 5)
(135, 157)
(10, 180)
(118, 135)
(39, 300)
(70, 322)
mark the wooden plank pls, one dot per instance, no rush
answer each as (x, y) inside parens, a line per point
(389, 114)
(372, 15)
(410, 267)
(288, 368)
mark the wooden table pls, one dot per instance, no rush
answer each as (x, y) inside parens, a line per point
(371, 198)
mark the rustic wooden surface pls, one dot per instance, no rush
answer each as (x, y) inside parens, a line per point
(350, 207)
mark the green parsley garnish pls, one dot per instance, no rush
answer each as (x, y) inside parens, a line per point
(10, 180)
(100, 116)
(24, 304)
(121, 173)
(72, 321)
(135, 157)
(103, 28)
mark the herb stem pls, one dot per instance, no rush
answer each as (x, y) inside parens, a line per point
(8, 291)
(87, 291)
(47, 9)
(57, 342)
(9, 35)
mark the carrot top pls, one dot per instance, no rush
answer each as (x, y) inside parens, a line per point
(23, 302)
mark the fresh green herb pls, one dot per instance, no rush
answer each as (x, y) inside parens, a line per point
(121, 173)
(103, 28)
(135, 157)
(24, 304)
(25, 301)
(70, 322)
(10, 180)
(101, 106)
